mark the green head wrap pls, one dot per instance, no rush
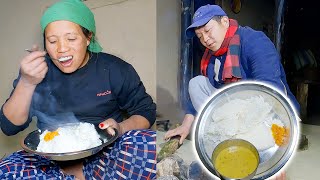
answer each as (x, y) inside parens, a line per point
(76, 12)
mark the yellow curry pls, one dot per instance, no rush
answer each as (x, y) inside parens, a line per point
(236, 162)
(50, 135)
(280, 134)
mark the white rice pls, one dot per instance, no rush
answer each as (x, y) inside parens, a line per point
(249, 119)
(70, 139)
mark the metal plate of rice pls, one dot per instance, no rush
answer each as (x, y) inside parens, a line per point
(31, 141)
(271, 159)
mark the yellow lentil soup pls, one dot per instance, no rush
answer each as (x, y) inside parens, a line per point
(236, 162)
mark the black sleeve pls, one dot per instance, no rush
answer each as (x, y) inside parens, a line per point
(7, 127)
(131, 93)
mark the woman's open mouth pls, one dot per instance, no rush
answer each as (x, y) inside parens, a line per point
(65, 60)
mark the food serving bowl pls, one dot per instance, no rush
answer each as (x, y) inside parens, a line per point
(235, 159)
(271, 159)
(31, 141)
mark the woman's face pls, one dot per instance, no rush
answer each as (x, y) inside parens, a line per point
(212, 34)
(67, 45)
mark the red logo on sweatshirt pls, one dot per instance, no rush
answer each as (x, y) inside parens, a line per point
(104, 93)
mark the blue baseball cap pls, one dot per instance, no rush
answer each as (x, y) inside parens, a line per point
(203, 15)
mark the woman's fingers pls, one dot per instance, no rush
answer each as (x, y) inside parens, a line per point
(109, 125)
(33, 55)
(33, 67)
(35, 47)
(111, 131)
(38, 70)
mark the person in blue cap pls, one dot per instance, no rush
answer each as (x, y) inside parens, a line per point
(232, 53)
(72, 81)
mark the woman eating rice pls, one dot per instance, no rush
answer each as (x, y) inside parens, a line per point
(73, 76)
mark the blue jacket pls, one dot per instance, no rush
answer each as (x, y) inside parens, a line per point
(259, 60)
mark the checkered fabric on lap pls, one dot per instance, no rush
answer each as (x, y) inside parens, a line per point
(22, 165)
(132, 156)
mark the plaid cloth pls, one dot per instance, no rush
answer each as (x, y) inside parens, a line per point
(231, 45)
(132, 156)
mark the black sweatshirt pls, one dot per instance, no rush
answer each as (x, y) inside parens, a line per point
(106, 87)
